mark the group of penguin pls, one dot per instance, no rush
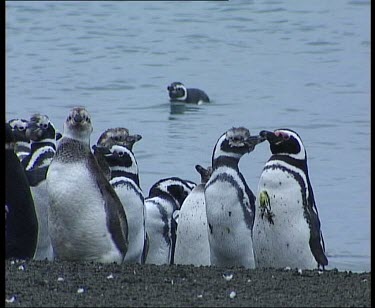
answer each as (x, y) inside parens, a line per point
(66, 200)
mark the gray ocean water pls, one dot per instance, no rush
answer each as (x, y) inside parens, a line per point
(304, 65)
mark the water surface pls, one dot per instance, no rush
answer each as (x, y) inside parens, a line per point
(265, 65)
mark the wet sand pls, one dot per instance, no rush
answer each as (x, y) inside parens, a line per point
(89, 284)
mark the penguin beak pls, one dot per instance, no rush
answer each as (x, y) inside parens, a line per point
(253, 141)
(78, 118)
(131, 139)
(33, 131)
(271, 137)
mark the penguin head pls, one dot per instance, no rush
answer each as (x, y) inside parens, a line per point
(205, 173)
(19, 127)
(285, 141)
(119, 136)
(9, 137)
(78, 125)
(177, 91)
(235, 143)
(40, 129)
(175, 187)
(120, 156)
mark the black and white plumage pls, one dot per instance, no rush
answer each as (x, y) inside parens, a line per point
(21, 223)
(230, 202)
(192, 246)
(86, 218)
(22, 143)
(41, 132)
(110, 137)
(125, 181)
(287, 229)
(179, 93)
(165, 196)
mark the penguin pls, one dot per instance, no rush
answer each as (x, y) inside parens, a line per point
(165, 196)
(125, 181)
(22, 143)
(192, 246)
(42, 134)
(287, 231)
(86, 219)
(110, 137)
(230, 202)
(21, 223)
(179, 93)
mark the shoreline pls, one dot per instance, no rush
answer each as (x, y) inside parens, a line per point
(65, 284)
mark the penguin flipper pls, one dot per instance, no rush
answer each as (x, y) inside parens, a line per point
(316, 237)
(36, 176)
(146, 248)
(249, 206)
(116, 218)
(99, 153)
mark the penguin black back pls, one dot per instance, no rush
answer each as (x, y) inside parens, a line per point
(21, 220)
(179, 93)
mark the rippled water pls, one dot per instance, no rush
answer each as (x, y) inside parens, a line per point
(265, 65)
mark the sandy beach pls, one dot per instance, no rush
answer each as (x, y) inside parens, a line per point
(89, 284)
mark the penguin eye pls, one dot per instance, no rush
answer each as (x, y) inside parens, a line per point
(120, 153)
(45, 126)
(69, 118)
(21, 128)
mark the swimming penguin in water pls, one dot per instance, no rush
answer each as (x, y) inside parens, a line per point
(287, 229)
(179, 93)
(86, 218)
(21, 223)
(42, 134)
(192, 246)
(230, 202)
(165, 196)
(125, 181)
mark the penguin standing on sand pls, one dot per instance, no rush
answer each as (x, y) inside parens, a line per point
(21, 223)
(179, 93)
(287, 227)
(42, 134)
(230, 202)
(125, 181)
(86, 219)
(165, 196)
(192, 246)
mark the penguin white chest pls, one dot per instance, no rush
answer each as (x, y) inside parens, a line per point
(223, 200)
(281, 233)
(228, 233)
(77, 217)
(131, 198)
(158, 227)
(192, 246)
